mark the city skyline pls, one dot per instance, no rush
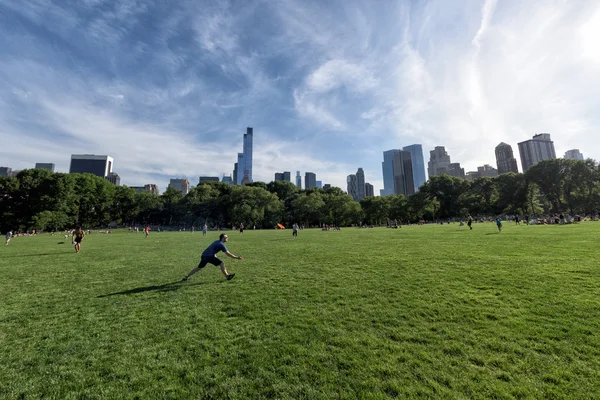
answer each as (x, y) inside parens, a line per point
(167, 89)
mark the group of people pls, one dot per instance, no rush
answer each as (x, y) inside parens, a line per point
(470, 223)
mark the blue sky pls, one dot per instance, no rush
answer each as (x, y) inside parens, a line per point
(168, 88)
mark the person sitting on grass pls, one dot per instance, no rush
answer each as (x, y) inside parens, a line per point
(209, 256)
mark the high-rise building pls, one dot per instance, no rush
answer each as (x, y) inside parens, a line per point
(505, 159)
(388, 172)
(287, 176)
(92, 164)
(369, 192)
(208, 178)
(227, 179)
(537, 149)
(439, 161)
(416, 152)
(360, 176)
(278, 176)
(5, 171)
(150, 187)
(326, 186)
(298, 180)
(574, 155)
(240, 168)
(310, 180)
(248, 139)
(319, 184)
(454, 169)
(235, 173)
(403, 173)
(48, 166)
(183, 185)
(352, 186)
(113, 178)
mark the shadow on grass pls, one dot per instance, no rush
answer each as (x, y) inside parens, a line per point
(156, 288)
(33, 255)
(492, 233)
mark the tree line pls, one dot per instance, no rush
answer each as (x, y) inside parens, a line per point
(40, 199)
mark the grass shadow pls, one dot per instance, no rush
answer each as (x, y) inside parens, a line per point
(155, 288)
(32, 255)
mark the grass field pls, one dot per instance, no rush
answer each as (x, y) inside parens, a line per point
(423, 311)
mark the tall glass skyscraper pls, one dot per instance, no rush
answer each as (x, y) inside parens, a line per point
(388, 172)
(298, 180)
(418, 164)
(248, 154)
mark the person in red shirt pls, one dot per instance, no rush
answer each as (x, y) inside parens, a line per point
(147, 230)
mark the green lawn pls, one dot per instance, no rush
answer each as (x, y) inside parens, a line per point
(421, 311)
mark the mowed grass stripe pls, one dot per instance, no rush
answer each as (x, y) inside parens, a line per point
(422, 311)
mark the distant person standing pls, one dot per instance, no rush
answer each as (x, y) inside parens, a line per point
(78, 235)
(147, 230)
(204, 229)
(295, 230)
(241, 228)
(470, 222)
(517, 219)
(8, 236)
(499, 224)
(209, 256)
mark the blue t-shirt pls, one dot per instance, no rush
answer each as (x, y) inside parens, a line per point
(214, 248)
(498, 221)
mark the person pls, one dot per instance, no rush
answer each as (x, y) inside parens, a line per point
(78, 235)
(241, 228)
(204, 229)
(295, 230)
(526, 219)
(469, 222)
(499, 224)
(147, 230)
(209, 256)
(8, 236)
(517, 219)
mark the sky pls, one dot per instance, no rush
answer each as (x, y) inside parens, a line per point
(168, 88)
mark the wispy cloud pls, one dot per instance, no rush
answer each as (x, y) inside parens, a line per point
(168, 90)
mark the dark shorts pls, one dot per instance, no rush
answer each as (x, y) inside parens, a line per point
(78, 240)
(212, 260)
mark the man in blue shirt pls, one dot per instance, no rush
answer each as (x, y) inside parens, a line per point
(209, 256)
(499, 223)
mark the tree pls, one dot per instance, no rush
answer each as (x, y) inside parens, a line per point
(308, 209)
(376, 209)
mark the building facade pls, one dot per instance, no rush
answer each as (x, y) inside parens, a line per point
(310, 180)
(182, 185)
(505, 160)
(403, 173)
(48, 166)
(418, 164)
(439, 161)
(5, 171)
(573, 155)
(92, 164)
(369, 190)
(240, 168)
(360, 176)
(207, 179)
(151, 188)
(454, 169)
(539, 148)
(484, 170)
(113, 178)
(227, 179)
(248, 149)
(388, 172)
(352, 186)
(298, 180)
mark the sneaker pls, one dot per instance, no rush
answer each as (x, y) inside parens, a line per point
(230, 277)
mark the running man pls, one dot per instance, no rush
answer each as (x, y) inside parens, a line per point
(470, 222)
(295, 230)
(8, 236)
(78, 235)
(147, 230)
(499, 224)
(209, 256)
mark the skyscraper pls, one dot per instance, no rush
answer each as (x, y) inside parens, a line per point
(235, 173)
(5, 171)
(227, 179)
(403, 173)
(278, 176)
(92, 164)
(505, 160)
(439, 161)
(319, 184)
(352, 186)
(298, 180)
(207, 179)
(114, 178)
(360, 177)
(248, 138)
(48, 166)
(310, 180)
(573, 155)
(283, 176)
(240, 168)
(369, 190)
(418, 164)
(388, 172)
(537, 149)
(454, 169)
